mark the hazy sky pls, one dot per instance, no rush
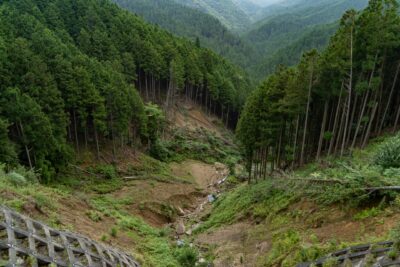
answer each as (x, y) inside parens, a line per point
(265, 2)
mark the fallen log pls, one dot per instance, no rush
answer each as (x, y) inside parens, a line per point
(383, 188)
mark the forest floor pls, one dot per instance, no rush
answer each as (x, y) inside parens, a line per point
(145, 206)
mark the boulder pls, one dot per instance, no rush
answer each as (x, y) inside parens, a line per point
(180, 211)
(180, 228)
(219, 166)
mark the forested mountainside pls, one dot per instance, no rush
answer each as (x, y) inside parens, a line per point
(118, 130)
(292, 6)
(193, 24)
(226, 11)
(294, 24)
(249, 7)
(68, 76)
(331, 101)
(288, 55)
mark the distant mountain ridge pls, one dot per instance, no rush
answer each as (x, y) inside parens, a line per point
(193, 24)
(228, 12)
(291, 21)
(271, 31)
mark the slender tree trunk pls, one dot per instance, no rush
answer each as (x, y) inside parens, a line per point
(321, 136)
(159, 92)
(266, 162)
(250, 166)
(336, 122)
(368, 133)
(96, 138)
(350, 86)
(27, 150)
(146, 87)
(364, 104)
(279, 150)
(112, 136)
(140, 82)
(273, 160)
(352, 120)
(339, 136)
(227, 117)
(86, 137)
(389, 99)
(295, 141)
(69, 132)
(76, 132)
(303, 146)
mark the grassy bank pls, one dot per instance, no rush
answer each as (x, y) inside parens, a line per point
(320, 208)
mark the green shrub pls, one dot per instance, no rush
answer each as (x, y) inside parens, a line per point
(16, 179)
(159, 150)
(331, 262)
(187, 256)
(392, 254)
(395, 236)
(368, 213)
(30, 175)
(19, 176)
(43, 201)
(388, 154)
(114, 232)
(108, 171)
(94, 215)
(283, 243)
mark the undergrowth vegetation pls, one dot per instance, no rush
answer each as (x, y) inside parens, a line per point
(200, 144)
(93, 188)
(350, 185)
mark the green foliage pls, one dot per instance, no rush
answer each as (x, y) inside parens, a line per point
(7, 149)
(263, 199)
(367, 213)
(392, 254)
(395, 236)
(284, 244)
(68, 74)
(18, 176)
(16, 179)
(114, 232)
(105, 170)
(331, 262)
(290, 30)
(94, 216)
(228, 12)
(44, 201)
(388, 155)
(202, 28)
(187, 256)
(200, 145)
(297, 114)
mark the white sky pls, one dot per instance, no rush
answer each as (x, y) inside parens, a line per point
(265, 2)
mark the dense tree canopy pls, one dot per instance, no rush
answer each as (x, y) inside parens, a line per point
(69, 71)
(331, 101)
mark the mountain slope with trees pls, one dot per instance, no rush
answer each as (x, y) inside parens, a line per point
(330, 102)
(69, 72)
(229, 13)
(291, 24)
(195, 25)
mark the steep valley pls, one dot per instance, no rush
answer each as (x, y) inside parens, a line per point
(147, 207)
(234, 133)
